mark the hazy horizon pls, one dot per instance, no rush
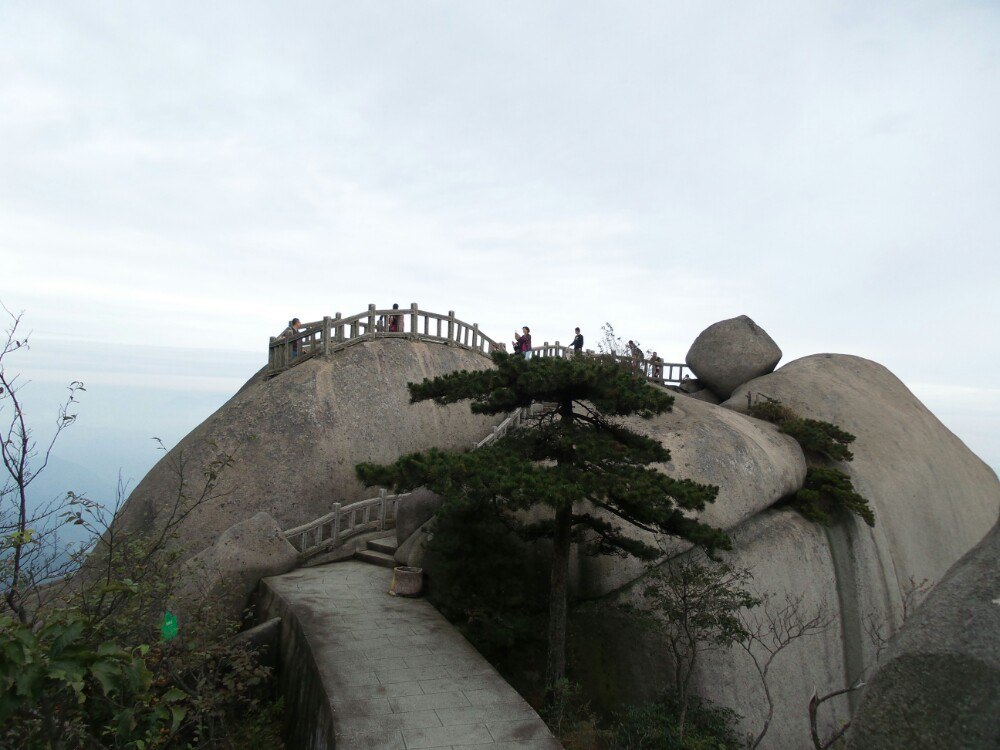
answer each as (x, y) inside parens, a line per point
(174, 191)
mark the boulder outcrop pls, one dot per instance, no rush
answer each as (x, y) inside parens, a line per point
(729, 353)
(939, 685)
(224, 575)
(295, 438)
(752, 463)
(418, 508)
(933, 501)
(933, 498)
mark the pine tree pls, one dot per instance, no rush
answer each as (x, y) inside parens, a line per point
(571, 456)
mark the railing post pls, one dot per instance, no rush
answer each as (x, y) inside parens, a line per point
(413, 319)
(381, 510)
(339, 329)
(271, 355)
(336, 524)
(475, 335)
(559, 351)
(326, 334)
(451, 326)
(371, 321)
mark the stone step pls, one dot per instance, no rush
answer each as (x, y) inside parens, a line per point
(386, 544)
(375, 558)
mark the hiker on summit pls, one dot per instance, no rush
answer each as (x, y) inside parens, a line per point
(636, 354)
(522, 343)
(395, 320)
(578, 342)
(293, 327)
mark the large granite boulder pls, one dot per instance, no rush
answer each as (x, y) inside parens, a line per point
(295, 438)
(933, 498)
(415, 510)
(222, 577)
(729, 353)
(939, 686)
(752, 463)
(933, 501)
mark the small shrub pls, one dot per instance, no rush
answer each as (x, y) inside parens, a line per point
(826, 487)
(654, 726)
(821, 438)
(770, 410)
(571, 720)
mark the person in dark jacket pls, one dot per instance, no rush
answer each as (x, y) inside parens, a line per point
(578, 342)
(522, 343)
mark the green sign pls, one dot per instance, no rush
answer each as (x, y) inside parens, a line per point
(169, 628)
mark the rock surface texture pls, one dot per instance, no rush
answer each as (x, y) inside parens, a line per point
(939, 686)
(224, 575)
(752, 463)
(729, 353)
(415, 512)
(296, 438)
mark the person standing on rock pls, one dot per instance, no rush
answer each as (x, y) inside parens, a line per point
(657, 366)
(293, 328)
(522, 343)
(578, 343)
(636, 353)
(395, 320)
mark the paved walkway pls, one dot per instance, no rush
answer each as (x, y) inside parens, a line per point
(397, 675)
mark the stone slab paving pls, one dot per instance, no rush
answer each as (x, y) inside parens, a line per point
(397, 674)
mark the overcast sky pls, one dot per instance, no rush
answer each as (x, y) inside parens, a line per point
(187, 176)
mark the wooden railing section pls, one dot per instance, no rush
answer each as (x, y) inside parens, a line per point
(336, 333)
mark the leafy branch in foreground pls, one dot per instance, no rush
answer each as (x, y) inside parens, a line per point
(590, 473)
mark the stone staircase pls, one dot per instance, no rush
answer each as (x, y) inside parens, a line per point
(379, 551)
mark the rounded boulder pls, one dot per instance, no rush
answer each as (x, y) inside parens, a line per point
(729, 353)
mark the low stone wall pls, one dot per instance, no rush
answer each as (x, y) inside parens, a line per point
(308, 721)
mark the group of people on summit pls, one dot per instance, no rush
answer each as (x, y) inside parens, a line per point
(393, 323)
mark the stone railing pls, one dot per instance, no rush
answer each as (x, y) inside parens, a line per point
(374, 514)
(336, 333)
(655, 371)
(343, 522)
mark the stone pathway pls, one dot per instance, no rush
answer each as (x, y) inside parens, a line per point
(397, 675)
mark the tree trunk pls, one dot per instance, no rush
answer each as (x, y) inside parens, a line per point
(556, 668)
(563, 528)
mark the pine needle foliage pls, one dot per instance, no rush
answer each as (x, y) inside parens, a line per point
(592, 473)
(825, 486)
(821, 438)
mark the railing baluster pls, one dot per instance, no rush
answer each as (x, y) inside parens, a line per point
(336, 524)
(381, 510)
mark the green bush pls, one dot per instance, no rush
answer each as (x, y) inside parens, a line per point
(60, 688)
(770, 410)
(821, 438)
(825, 488)
(653, 726)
